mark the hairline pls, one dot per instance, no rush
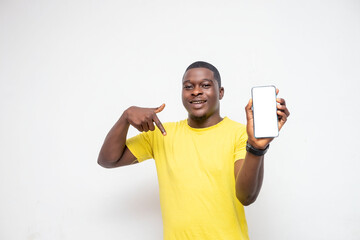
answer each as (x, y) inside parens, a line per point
(219, 83)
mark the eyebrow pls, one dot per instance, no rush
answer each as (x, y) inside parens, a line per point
(205, 79)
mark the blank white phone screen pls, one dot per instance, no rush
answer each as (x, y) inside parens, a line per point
(264, 109)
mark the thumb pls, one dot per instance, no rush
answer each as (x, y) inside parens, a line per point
(159, 109)
(248, 110)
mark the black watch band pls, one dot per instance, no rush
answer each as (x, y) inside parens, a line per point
(256, 151)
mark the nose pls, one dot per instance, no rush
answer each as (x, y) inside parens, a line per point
(197, 91)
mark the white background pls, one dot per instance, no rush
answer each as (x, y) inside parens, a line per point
(68, 69)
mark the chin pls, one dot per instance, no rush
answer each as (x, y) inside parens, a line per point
(198, 117)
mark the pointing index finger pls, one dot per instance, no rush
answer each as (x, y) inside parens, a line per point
(159, 124)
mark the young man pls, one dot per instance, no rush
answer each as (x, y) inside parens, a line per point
(206, 170)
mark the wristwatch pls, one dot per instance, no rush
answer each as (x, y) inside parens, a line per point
(256, 151)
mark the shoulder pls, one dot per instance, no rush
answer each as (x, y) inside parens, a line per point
(170, 124)
(170, 127)
(238, 131)
(234, 126)
(174, 125)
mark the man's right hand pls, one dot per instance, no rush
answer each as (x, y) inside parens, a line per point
(114, 152)
(143, 119)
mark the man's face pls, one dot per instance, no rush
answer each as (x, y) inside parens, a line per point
(201, 93)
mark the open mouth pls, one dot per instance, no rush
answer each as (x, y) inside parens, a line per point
(197, 101)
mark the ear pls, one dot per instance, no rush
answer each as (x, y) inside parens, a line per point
(221, 93)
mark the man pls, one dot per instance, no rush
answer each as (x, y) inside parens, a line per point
(206, 173)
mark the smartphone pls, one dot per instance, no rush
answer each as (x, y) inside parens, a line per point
(264, 110)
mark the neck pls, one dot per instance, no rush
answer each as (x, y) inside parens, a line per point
(203, 122)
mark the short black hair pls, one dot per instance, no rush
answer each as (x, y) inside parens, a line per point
(201, 64)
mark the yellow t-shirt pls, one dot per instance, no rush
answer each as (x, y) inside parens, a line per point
(195, 168)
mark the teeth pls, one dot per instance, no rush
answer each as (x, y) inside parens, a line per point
(200, 101)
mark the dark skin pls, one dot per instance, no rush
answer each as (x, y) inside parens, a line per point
(249, 172)
(201, 97)
(114, 152)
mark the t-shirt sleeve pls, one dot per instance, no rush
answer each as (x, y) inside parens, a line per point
(240, 144)
(141, 146)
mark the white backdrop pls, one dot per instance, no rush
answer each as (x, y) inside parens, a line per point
(68, 69)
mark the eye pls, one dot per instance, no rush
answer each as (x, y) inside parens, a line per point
(188, 87)
(206, 85)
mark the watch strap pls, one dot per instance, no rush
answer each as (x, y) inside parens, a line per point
(256, 151)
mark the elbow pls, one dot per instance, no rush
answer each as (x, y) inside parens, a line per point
(102, 163)
(246, 200)
(105, 163)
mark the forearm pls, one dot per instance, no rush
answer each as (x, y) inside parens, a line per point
(114, 144)
(249, 179)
